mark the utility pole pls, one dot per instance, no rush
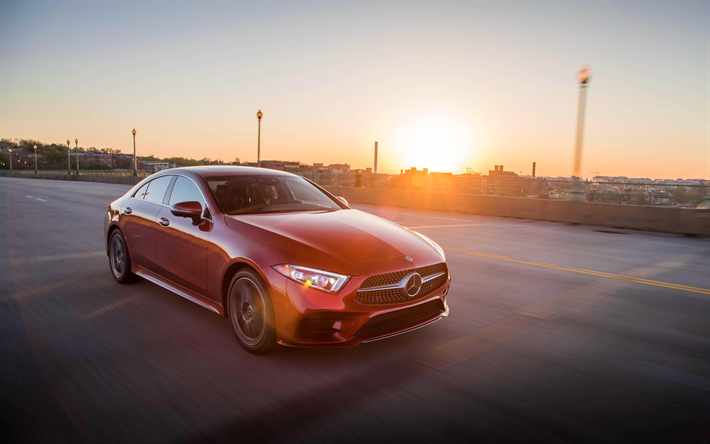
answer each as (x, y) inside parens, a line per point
(68, 157)
(135, 159)
(375, 170)
(77, 155)
(583, 77)
(259, 115)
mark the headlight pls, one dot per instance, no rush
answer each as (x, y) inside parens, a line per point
(310, 277)
(433, 244)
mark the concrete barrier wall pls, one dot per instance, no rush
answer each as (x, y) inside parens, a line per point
(105, 178)
(634, 217)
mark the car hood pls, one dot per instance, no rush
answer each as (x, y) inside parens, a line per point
(334, 237)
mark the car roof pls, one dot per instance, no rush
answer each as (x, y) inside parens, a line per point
(227, 170)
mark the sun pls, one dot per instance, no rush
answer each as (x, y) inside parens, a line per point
(435, 140)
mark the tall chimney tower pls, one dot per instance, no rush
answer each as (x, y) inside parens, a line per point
(533, 170)
(375, 169)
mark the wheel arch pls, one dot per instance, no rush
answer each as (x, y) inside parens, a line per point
(110, 231)
(233, 269)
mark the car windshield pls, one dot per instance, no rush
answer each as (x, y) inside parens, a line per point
(268, 194)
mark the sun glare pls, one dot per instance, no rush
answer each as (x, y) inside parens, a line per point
(435, 140)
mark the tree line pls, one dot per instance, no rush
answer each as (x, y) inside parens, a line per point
(53, 156)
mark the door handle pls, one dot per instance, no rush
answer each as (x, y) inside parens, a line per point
(164, 221)
(128, 210)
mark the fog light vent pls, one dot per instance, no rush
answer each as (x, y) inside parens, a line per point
(319, 324)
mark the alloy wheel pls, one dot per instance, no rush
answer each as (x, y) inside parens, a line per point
(118, 256)
(248, 311)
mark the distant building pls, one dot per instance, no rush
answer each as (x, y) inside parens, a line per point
(440, 183)
(422, 180)
(340, 167)
(281, 165)
(411, 179)
(470, 183)
(123, 161)
(511, 184)
(154, 167)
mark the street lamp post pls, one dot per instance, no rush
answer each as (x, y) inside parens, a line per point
(77, 155)
(583, 77)
(35, 147)
(10, 151)
(259, 115)
(135, 159)
(68, 157)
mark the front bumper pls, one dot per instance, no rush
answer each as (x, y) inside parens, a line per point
(306, 317)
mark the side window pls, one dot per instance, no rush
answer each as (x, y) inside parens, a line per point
(185, 190)
(140, 194)
(157, 189)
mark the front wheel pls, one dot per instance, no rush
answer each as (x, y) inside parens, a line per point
(251, 313)
(119, 259)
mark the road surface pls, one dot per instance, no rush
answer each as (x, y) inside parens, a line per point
(557, 333)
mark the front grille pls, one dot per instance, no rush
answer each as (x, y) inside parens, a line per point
(379, 297)
(384, 279)
(429, 287)
(393, 278)
(394, 296)
(395, 320)
(431, 269)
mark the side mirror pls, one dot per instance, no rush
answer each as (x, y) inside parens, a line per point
(343, 201)
(188, 209)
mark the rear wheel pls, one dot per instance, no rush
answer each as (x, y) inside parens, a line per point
(119, 259)
(251, 313)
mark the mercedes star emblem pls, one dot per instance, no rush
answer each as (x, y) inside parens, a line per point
(413, 285)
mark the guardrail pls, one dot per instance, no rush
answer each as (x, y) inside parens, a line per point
(623, 193)
(73, 172)
(675, 220)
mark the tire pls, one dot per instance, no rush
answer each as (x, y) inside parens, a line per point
(251, 313)
(118, 258)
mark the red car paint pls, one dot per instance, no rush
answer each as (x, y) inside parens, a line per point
(196, 258)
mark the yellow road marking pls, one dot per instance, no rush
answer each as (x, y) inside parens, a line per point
(108, 308)
(620, 277)
(399, 213)
(445, 226)
(503, 330)
(34, 291)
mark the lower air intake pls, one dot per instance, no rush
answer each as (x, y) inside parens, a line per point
(395, 320)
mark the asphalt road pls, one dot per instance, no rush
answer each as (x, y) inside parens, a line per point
(557, 333)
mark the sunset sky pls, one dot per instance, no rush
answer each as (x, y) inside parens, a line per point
(443, 85)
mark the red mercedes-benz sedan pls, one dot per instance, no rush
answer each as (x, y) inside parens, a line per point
(285, 260)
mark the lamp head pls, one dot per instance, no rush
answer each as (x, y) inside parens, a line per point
(584, 75)
(34, 146)
(134, 131)
(76, 140)
(68, 142)
(259, 115)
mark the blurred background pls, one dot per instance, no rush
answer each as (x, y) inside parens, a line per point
(557, 151)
